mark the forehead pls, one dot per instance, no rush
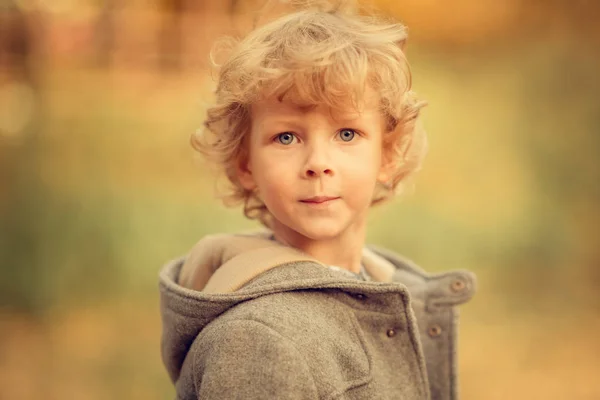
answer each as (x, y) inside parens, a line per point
(291, 106)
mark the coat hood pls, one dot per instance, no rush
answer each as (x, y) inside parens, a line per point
(222, 271)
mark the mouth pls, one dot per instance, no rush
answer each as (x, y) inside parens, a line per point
(319, 199)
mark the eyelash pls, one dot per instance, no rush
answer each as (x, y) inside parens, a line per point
(278, 136)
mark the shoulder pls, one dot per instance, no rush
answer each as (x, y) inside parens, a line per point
(306, 319)
(240, 358)
(301, 334)
(314, 321)
(290, 313)
(226, 336)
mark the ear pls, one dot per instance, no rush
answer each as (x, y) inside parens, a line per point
(244, 174)
(384, 175)
(387, 167)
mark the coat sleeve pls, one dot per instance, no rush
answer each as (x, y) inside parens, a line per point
(245, 359)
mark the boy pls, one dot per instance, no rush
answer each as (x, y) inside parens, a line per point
(314, 122)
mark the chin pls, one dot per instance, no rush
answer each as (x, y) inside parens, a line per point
(325, 232)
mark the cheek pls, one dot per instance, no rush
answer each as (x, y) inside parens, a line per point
(277, 192)
(272, 174)
(360, 177)
(365, 164)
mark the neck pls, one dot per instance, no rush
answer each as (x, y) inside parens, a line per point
(344, 250)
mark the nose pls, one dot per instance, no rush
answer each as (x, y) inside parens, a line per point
(317, 172)
(317, 163)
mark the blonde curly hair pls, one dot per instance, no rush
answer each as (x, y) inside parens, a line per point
(326, 55)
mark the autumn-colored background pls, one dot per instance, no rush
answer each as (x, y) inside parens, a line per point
(99, 187)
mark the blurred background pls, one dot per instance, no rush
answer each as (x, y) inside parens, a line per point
(99, 186)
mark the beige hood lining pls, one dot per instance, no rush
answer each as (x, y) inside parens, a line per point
(225, 263)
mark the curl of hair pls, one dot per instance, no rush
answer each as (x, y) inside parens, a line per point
(326, 55)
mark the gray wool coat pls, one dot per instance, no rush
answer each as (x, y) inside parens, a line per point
(247, 318)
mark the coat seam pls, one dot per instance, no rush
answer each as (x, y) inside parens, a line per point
(452, 354)
(415, 345)
(369, 377)
(350, 384)
(293, 346)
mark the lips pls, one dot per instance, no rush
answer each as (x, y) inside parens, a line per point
(319, 199)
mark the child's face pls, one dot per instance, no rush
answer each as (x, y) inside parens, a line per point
(315, 172)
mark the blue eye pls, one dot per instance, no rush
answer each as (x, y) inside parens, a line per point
(285, 138)
(347, 135)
